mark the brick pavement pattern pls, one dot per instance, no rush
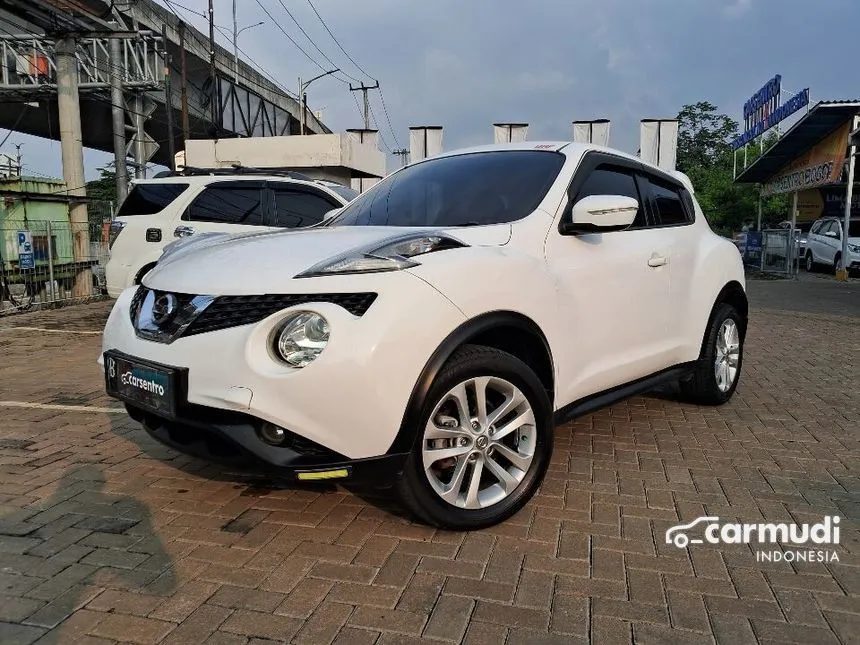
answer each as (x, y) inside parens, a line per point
(105, 536)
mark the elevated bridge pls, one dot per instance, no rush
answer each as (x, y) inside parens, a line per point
(245, 102)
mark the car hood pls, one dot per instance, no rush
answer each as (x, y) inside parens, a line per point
(225, 264)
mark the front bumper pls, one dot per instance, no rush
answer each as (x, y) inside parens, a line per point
(233, 440)
(350, 401)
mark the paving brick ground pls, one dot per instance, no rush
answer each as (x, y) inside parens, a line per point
(106, 536)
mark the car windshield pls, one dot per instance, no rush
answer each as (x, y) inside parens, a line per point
(464, 190)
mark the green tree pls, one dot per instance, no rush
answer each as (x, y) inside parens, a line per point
(705, 155)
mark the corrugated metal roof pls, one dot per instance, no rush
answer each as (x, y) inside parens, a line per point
(821, 120)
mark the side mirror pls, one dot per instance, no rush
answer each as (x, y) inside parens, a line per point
(601, 214)
(329, 215)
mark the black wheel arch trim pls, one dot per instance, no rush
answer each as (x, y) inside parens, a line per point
(407, 433)
(730, 290)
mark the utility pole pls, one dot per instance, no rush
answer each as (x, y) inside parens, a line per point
(71, 147)
(118, 118)
(186, 130)
(403, 153)
(235, 46)
(212, 73)
(364, 89)
(19, 158)
(168, 101)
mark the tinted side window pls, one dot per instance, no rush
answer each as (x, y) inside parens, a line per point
(610, 180)
(295, 208)
(240, 205)
(816, 228)
(148, 199)
(668, 203)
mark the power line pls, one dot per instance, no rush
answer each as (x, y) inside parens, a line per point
(359, 68)
(290, 38)
(310, 40)
(337, 42)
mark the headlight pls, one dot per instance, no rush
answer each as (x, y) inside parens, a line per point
(301, 338)
(854, 248)
(392, 256)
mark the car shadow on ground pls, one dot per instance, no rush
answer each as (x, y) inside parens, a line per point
(257, 483)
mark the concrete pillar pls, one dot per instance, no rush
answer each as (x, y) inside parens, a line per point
(424, 141)
(363, 137)
(596, 132)
(71, 148)
(118, 119)
(658, 142)
(510, 132)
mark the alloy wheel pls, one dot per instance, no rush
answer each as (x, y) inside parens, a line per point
(479, 442)
(728, 352)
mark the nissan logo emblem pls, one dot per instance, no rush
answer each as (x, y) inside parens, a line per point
(164, 308)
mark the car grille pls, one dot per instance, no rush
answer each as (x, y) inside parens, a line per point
(232, 311)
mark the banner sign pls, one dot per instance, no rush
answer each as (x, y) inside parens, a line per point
(819, 166)
(763, 111)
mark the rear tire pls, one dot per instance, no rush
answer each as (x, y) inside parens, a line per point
(483, 444)
(718, 369)
(837, 263)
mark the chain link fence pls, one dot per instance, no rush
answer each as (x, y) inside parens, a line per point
(45, 263)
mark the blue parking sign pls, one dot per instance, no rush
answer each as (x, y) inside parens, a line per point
(26, 258)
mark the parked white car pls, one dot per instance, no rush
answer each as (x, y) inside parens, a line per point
(436, 330)
(158, 211)
(824, 244)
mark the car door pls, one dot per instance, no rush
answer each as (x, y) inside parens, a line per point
(832, 241)
(813, 240)
(228, 207)
(674, 213)
(613, 288)
(298, 205)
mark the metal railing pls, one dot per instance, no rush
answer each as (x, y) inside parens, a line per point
(40, 268)
(28, 62)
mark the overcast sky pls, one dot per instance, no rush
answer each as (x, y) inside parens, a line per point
(466, 64)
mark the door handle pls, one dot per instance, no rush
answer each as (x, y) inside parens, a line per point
(657, 260)
(184, 231)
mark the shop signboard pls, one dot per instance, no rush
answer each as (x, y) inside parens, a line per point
(762, 110)
(820, 166)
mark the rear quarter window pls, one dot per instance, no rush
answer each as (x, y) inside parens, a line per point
(148, 199)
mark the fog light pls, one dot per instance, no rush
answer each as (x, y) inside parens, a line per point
(272, 434)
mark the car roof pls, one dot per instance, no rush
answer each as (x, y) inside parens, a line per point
(570, 149)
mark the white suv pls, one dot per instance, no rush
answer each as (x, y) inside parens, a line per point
(824, 244)
(434, 332)
(158, 211)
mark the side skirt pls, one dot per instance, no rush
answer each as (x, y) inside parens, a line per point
(608, 397)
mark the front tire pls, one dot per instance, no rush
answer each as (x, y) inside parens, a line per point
(810, 262)
(483, 444)
(719, 366)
